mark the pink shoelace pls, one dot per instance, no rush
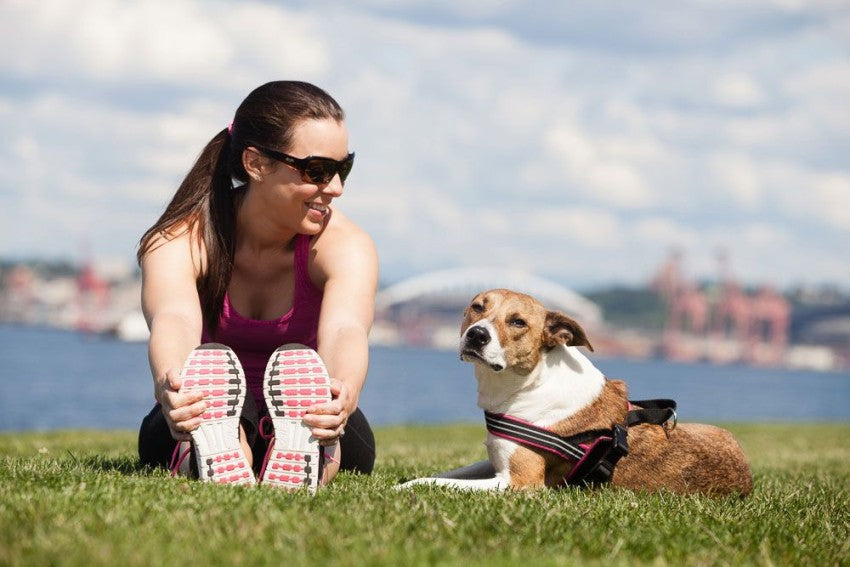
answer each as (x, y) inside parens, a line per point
(177, 458)
(269, 437)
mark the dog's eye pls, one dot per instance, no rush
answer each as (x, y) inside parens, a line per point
(517, 322)
(477, 307)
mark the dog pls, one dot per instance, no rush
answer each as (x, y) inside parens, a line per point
(528, 366)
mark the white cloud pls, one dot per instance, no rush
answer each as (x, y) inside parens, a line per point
(604, 177)
(738, 90)
(25, 148)
(595, 228)
(190, 42)
(735, 176)
(760, 235)
(831, 198)
(816, 198)
(664, 232)
(105, 39)
(272, 42)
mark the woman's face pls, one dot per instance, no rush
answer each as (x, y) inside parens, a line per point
(302, 205)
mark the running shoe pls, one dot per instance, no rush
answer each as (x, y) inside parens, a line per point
(213, 369)
(295, 379)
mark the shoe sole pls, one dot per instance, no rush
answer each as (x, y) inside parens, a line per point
(215, 370)
(295, 379)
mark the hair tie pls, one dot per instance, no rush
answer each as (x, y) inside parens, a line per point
(230, 128)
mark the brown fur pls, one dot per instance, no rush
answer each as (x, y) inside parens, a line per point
(695, 458)
(692, 458)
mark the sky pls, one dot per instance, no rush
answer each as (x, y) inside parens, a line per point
(579, 141)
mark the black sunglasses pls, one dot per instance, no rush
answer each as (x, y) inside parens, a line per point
(314, 169)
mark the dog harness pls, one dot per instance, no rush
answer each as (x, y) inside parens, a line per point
(594, 453)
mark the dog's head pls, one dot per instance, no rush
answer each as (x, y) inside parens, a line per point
(506, 329)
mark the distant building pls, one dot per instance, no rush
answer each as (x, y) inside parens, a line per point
(721, 323)
(81, 300)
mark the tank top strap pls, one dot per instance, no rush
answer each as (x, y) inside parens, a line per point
(303, 284)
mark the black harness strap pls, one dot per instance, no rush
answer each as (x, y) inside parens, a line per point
(656, 412)
(529, 434)
(594, 453)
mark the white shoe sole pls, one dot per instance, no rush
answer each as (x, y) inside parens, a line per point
(295, 379)
(215, 370)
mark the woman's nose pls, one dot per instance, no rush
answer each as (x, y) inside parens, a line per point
(334, 188)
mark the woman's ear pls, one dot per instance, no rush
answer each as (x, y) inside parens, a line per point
(255, 164)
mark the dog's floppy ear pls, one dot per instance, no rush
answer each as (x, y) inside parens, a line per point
(561, 330)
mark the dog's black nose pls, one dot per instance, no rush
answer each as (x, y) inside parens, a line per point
(477, 337)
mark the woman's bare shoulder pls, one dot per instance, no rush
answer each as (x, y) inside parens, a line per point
(342, 231)
(180, 244)
(343, 247)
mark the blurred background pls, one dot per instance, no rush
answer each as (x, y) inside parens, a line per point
(675, 174)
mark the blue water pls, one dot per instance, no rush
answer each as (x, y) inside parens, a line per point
(53, 379)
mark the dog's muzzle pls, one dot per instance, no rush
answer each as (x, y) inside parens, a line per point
(474, 345)
(477, 337)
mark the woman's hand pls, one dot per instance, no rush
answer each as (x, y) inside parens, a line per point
(182, 412)
(328, 419)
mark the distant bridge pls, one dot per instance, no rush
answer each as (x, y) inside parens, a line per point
(463, 284)
(829, 324)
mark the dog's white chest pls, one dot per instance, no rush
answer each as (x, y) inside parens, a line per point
(563, 383)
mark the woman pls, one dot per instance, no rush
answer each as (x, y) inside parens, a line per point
(250, 254)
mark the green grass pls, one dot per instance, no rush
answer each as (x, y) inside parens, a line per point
(79, 498)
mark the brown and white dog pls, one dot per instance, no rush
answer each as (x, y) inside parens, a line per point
(528, 366)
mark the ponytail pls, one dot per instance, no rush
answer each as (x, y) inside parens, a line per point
(204, 205)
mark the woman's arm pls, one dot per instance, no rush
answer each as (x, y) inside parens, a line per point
(347, 264)
(172, 309)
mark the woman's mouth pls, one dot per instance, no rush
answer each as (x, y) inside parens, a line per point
(319, 208)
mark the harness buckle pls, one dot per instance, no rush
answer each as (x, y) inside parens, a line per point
(603, 469)
(620, 443)
(666, 425)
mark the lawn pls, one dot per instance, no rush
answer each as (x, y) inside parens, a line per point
(78, 497)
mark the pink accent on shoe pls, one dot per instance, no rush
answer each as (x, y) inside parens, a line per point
(177, 461)
(329, 457)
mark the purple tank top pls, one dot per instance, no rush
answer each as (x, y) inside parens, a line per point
(254, 340)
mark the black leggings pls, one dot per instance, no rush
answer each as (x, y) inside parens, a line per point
(156, 446)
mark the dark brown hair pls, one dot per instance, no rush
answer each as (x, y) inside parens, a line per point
(206, 198)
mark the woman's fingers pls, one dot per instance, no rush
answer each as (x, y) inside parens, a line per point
(326, 416)
(327, 421)
(340, 392)
(183, 421)
(182, 411)
(328, 436)
(187, 413)
(173, 380)
(179, 436)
